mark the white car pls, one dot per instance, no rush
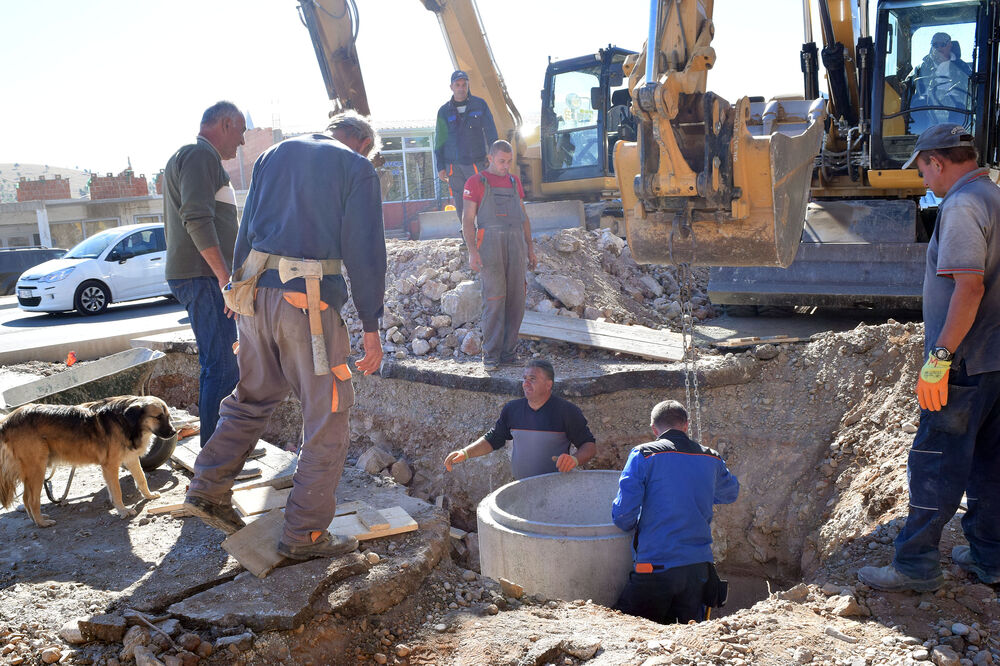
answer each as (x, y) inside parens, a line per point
(119, 264)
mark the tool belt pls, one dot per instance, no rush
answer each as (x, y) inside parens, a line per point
(240, 292)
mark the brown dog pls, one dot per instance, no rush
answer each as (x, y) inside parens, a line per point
(110, 433)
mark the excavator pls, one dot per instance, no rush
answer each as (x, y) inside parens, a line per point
(802, 200)
(797, 200)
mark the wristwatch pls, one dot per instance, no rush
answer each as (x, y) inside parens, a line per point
(942, 354)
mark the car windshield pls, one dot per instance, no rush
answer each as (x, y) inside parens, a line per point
(92, 247)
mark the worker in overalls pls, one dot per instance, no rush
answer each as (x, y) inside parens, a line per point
(497, 233)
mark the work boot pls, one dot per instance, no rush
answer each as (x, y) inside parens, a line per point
(324, 545)
(490, 365)
(220, 516)
(890, 579)
(962, 556)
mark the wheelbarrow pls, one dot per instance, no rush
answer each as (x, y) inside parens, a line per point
(124, 373)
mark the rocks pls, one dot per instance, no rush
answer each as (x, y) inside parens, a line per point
(238, 643)
(511, 589)
(570, 291)
(463, 303)
(434, 290)
(440, 321)
(189, 642)
(70, 632)
(134, 637)
(942, 655)
(401, 472)
(844, 605)
(650, 283)
(765, 352)
(107, 628)
(420, 347)
(374, 460)
(145, 657)
(51, 655)
(472, 344)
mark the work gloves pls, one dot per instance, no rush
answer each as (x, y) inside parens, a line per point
(932, 386)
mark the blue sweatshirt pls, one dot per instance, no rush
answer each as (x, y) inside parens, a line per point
(668, 488)
(313, 197)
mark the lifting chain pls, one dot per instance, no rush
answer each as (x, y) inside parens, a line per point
(685, 279)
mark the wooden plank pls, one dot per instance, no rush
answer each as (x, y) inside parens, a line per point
(372, 519)
(256, 545)
(250, 501)
(636, 340)
(399, 522)
(765, 339)
(277, 469)
(345, 508)
(164, 508)
(185, 453)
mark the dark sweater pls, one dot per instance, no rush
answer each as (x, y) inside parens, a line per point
(463, 138)
(200, 210)
(312, 197)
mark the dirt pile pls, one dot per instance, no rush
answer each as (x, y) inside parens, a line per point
(433, 299)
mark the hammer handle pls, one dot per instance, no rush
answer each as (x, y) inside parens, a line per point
(320, 364)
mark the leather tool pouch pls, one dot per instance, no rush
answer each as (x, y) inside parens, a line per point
(716, 590)
(242, 289)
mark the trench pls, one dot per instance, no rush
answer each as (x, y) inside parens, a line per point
(808, 430)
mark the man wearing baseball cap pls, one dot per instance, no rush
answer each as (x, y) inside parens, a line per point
(465, 132)
(957, 446)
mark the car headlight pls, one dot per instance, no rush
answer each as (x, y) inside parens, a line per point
(57, 275)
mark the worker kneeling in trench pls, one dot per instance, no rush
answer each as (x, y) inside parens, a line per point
(666, 493)
(542, 426)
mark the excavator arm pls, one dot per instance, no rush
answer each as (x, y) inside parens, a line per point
(333, 28)
(707, 182)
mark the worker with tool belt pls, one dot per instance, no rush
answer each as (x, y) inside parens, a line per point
(666, 493)
(498, 234)
(465, 131)
(314, 202)
(957, 446)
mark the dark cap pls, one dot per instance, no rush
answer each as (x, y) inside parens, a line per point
(945, 135)
(940, 39)
(459, 74)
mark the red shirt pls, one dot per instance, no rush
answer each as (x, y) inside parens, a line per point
(474, 187)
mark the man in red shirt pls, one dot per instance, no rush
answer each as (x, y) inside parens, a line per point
(498, 234)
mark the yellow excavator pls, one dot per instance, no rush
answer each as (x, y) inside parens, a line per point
(802, 201)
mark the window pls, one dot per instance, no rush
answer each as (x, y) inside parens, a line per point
(930, 61)
(66, 234)
(148, 219)
(409, 173)
(139, 243)
(577, 142)
(91, 227)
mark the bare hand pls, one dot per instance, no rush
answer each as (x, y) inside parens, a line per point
(373, 353)
(475, 262)
(454, 458)
(532, 259)
(565, 462)
(443, 175)
(223, 283)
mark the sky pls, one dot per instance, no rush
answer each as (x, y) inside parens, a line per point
(94, 84)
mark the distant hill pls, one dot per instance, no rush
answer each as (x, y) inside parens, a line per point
(11, 173)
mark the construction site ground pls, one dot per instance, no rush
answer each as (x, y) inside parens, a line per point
(817, 431)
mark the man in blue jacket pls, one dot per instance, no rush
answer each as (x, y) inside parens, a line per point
(666, 493)
(465, 132)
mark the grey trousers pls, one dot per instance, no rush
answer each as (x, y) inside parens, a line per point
(505, 261)
(275, 358)
(457, 175)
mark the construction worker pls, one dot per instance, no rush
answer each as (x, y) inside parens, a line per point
(665, 494)
(465, 131)
(312, 197)
(957, 446)
(542, 426)
(497, 233)
(199, 208)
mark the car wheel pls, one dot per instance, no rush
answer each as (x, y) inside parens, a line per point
(91, 298)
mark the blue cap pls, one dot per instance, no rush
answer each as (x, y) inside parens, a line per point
(459, 74)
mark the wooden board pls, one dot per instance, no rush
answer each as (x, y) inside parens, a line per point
(762, 340)
(372, 519)
(276, 467)
(256, 545)
(635, 340)
(164, 508)
(186, 453)
(250, 501)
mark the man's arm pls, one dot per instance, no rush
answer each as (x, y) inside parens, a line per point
(627, 505)
(528, 243)
(727, 486)
(198, 186)
(489, 126)
(440, 139)
(480, 447)
(962, 309)
(566, 462)
(469, 234)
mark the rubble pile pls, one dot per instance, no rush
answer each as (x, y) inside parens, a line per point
(433, 300)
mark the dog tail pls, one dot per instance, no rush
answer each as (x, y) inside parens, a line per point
(10, 474)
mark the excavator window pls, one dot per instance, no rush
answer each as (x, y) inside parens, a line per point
(930, 63)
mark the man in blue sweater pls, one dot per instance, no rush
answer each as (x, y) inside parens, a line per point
(665, 494)
(312, 197)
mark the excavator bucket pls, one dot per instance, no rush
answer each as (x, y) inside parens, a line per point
(728, 188)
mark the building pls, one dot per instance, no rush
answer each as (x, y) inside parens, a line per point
(410, 184)
(125, 184)
(43, 189)
(255, 142)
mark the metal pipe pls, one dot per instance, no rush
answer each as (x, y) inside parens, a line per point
(863, 17)
(652, 48)
(807, 21)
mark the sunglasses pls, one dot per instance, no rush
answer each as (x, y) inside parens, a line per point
(941, 45)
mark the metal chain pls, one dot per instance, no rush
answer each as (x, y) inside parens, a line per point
(690, 350)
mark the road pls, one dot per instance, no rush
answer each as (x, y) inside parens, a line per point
(36, 336)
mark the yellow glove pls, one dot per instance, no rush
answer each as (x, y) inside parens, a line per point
(932, 386)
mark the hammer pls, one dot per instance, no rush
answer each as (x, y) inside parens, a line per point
(312, 271)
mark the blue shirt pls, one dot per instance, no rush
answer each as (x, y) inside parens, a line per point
(313, 197)
(666, 493)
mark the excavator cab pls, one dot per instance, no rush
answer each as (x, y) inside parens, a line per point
(584, 114)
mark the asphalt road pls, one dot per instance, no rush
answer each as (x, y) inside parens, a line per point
(36, 336)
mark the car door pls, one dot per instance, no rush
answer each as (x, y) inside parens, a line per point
(133, 264)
